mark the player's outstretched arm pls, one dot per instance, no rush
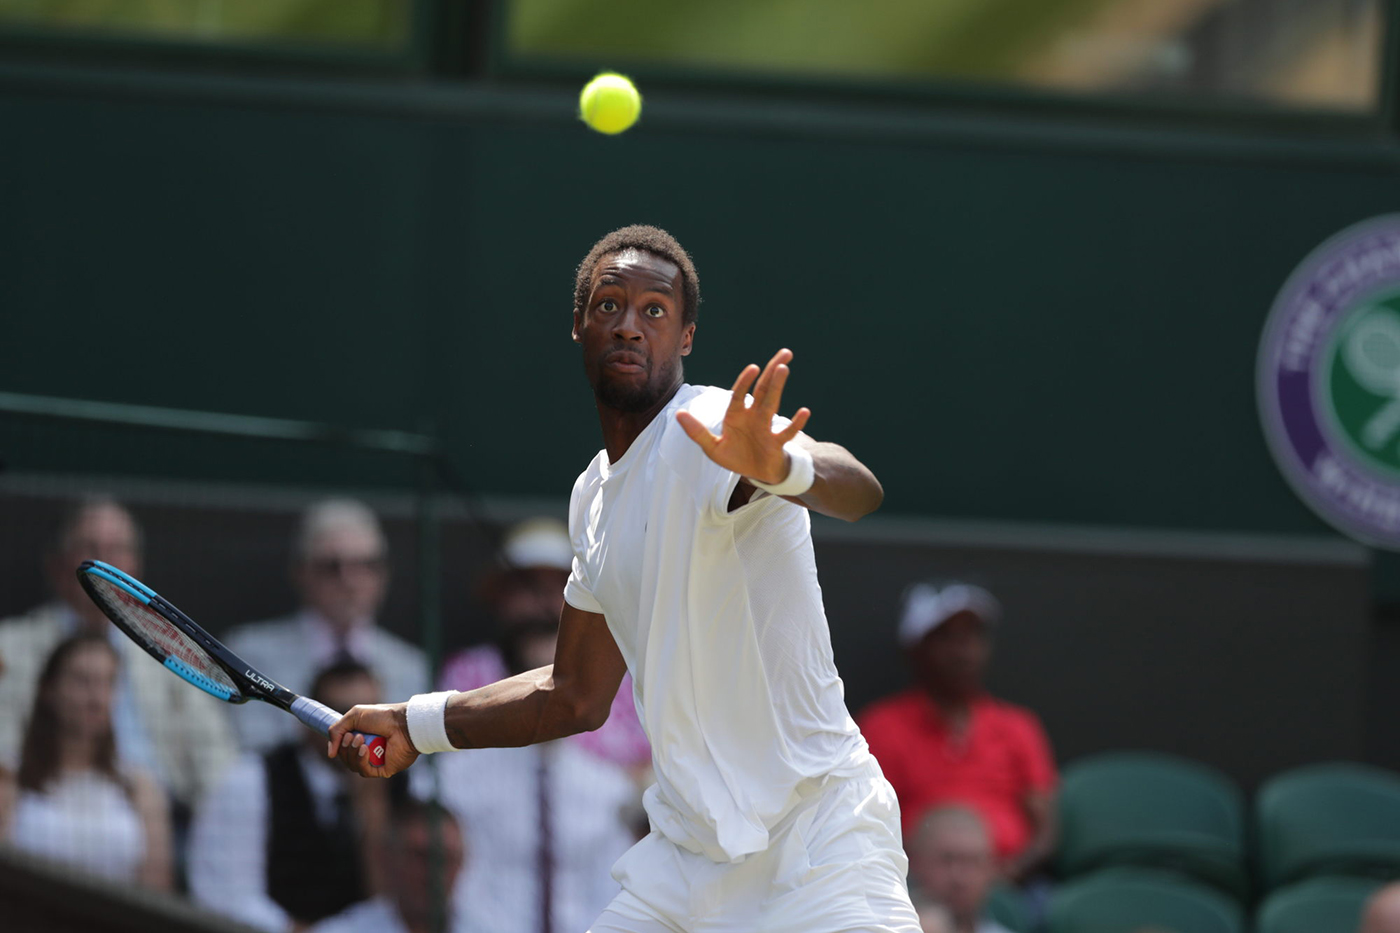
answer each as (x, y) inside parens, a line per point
(572, 695)
(843, 487)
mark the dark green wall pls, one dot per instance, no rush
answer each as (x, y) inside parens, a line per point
(1006, 320)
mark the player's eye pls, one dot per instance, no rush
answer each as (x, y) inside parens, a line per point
(655, 311)
(607, 306)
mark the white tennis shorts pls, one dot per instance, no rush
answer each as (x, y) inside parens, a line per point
(833, 865)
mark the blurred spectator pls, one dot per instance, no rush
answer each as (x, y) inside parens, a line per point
(933, 917)
(549, 820)
(289, 838)
(946, 740)
(524, 596)
(177, 735)
(1382, 913)
(74, 803)
(414, 870)
(951, 863)
(341, 572)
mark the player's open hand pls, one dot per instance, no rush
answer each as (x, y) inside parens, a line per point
(747, 444)
(389, 720)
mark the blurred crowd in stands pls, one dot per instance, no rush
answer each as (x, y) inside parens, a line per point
(125, 772)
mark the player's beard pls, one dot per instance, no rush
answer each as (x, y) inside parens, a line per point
(632, 398)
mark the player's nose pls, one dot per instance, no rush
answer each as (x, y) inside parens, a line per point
(627, 326)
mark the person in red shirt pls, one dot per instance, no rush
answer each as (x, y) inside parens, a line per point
(945, 740)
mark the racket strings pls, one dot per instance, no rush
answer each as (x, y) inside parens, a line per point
(156, 634)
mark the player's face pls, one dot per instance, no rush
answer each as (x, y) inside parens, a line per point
(632, 330)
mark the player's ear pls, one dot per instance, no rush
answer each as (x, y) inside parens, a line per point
(687, 338)
(578, 324)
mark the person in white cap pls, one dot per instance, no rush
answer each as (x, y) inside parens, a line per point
(945, 740)
(693, 568)
(525, 594)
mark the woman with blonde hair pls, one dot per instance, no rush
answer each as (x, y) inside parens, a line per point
(71, 801)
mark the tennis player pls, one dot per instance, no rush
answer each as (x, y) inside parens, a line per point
(693, 568)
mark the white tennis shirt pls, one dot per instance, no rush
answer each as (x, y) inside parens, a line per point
(719, 617)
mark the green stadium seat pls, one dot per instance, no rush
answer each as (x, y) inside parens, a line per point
(1007, 906)
(1317, 905)
(1125, 900)
(1338, 819)
(1154, 810)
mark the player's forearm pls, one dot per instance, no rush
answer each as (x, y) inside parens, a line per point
(844, 487)
(520, 710)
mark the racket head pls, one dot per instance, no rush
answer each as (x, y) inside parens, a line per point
(187, 650)
(166, 633)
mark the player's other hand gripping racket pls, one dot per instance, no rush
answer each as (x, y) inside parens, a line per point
(173, 639)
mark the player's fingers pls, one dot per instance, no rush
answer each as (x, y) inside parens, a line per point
(775, 370)
(799, 421)
(696, 431)
(350, 758)
(773, 392)
(334, 735)
(741, 388)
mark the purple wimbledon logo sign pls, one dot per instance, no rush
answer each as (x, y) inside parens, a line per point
(1329, 381)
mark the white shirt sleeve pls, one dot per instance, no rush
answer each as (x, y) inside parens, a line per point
(578, 589)
(577, 592)
(228, 849)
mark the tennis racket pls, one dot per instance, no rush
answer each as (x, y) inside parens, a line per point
(173, 639)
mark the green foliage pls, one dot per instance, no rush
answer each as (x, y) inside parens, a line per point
(383, 24)
(893, 38)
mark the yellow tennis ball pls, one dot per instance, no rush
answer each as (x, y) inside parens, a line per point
(609, 103)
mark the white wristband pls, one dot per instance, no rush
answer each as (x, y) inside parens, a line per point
(427, 722)
(801, 473)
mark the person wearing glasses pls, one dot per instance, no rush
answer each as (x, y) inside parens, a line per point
(340, 570)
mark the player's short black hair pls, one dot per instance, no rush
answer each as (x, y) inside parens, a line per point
(650, 239)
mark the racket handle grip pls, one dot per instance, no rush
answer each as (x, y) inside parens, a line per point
(320, 717)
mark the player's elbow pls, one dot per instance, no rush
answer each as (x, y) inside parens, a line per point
(592, 714)
(871, 497)
(876, 498)
(586, 712)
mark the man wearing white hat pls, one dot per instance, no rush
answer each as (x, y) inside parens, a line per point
(945, 740)
(524, 595)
